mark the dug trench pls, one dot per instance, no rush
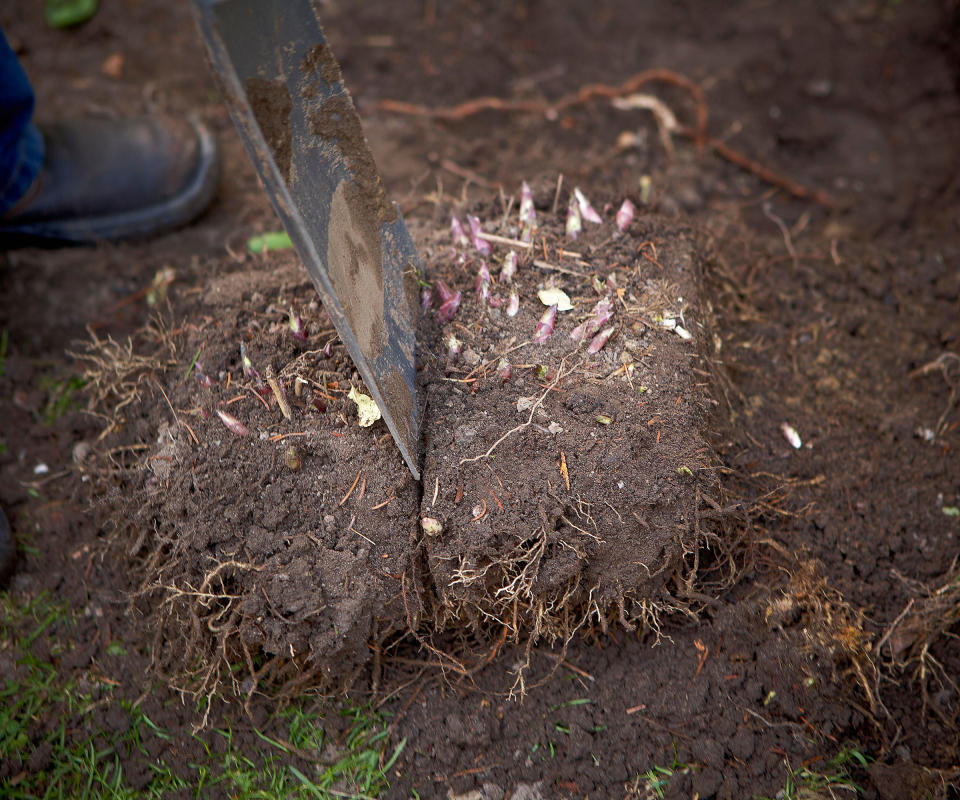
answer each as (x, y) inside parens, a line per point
(566, 483)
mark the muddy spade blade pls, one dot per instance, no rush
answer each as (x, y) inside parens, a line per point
(301, 130)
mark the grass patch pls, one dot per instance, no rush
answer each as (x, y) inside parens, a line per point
(51, 737)
(62, 396)
(654, 782)
(835, 781)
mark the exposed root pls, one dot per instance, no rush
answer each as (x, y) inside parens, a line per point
(697, 132)
(829, 624)
(908, 642)
(114, 374)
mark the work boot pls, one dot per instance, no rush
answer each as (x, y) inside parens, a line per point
(8, 551)
(114, 179)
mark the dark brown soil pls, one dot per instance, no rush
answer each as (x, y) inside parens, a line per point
(568, 490)
(838, 321)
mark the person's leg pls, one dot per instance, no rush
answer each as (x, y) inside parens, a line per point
(21, 145)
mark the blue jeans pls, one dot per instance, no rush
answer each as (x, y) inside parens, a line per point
(21, 145)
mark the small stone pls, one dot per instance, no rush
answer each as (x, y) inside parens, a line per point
(80, 452)
(471, 357)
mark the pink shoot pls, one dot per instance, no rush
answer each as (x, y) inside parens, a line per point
(484, 279)
(602, 313)
(482, 246)
(457, 233)
(504, 370)
(528, 216)
(586, 210)
(574, 223)
(248, 369)
(327, 349)
(625, 215)
(449, 301)
(513, 304)
(509, 268)
(235, 425)
(297, 327)
(205, 380)
(426, 299)
(454, 346)
(545, 325)
(601, 339)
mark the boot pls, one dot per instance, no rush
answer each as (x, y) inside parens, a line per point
(115, 179)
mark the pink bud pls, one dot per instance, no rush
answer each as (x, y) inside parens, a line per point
(484, 279)
(513, 304)
(625, 215)
(443, 291)
(457, 233)
(482, 246)
(327, 350)
(545, 325)
(504, 370)
(602, 313)
(600, 340)
(449, 301)
(233, 423)
(509, 268)
(528, 216)
(586, 210)
(454, 346)
(205, 380)
(527, 213)
(248, 370)
(574, 224)
(297, 326)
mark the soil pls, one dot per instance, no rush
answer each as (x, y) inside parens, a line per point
(817, 608)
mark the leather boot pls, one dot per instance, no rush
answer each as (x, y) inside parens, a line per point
(114, 179)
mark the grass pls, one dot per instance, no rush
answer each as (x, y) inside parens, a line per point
(834, 782)
(653, 783)
(42, 710)
(62, 396)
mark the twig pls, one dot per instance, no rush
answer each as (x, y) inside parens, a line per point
(278, 437)
(278, 392)
(698, 133)
(553, 110)
(352, 487)
(784, 230)
(385, 502)
(496, 239)
(553, 267)
(468, 175)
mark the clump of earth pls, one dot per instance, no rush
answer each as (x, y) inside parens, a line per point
(566, 481)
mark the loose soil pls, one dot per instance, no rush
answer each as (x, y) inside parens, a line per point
(797, 599)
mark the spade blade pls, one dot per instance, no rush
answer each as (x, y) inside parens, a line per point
(299, 126)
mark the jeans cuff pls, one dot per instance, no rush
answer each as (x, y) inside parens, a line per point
(29, 160)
